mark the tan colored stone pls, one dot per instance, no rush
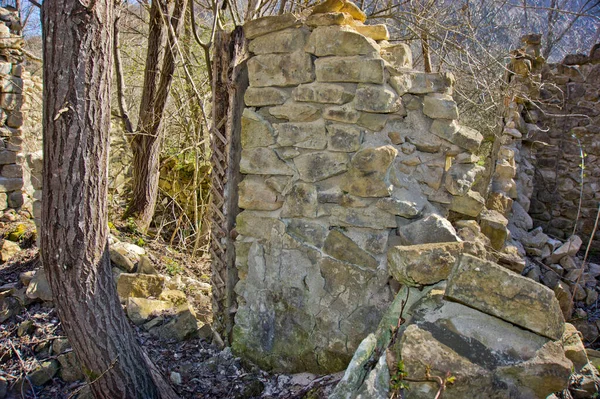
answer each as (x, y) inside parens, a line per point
(374, 159)
(440, 106)
(375, 122)
(339, 41)
(263, 96)
(285, 41)
(398, 55)
(370, 217)
(302, 134)
(264, 25)
(318, 166)
(375, 32)
(280, 69)
(343, 138)
(431, 229)
(139, 285)
(255, 194)
(445, 128)
(422, 82)
(574, 349)
(350, 8)
(493, 225)
(499, 292)
(263, 161)
(327, 93)
(467, 138)
(301, 201)
(470, 204)
(328, 6)
(350, 69)
(341, 113)
(330, 18)
(296, 112)
(256, 131)
(256, 224)
(377, 99)
(139, 310)
(341, 247)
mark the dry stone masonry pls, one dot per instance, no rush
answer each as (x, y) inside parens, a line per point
(347, 152)
(13, 83)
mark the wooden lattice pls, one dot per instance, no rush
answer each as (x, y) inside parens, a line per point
(229, 84)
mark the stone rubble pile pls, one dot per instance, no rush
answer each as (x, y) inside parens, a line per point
(157, 303)
(346, 152)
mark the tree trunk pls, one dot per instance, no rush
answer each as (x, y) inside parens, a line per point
(74, 235)
(146, 143)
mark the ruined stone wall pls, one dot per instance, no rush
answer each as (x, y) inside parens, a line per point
(347, 152)
(568, 118)
(13, 81)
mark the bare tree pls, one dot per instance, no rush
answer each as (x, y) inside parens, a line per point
(74, 235)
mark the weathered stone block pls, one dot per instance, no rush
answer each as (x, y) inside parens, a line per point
(427, 264)
(422, 82)
(431, 229)
(301, 201)
(307, 231)
(398, 55)
(499, 292)
(342, 113)
(330, 18)
(398, 207)
(317, 166)
(343, 138)
(7, 157)
(440, 106)
(370, 217)
(285, 41)
(280, 69)
(467, 138)
(258, 225)
(10, 184)
(263, 161)
(367, 176)
(470, 204)
(139, 285)
(296, 112)
(375, 122)
(11, 84)
(327, 93)
(310, 135)
(493, 226)
(263, 96)
(264, 25)
(350, 69)
(378, 99)
(375, 32)
(352, 9)
(341, 247)
(255, 194)
(340, 41)
(139, 310)
(256, 131)
(328, 6)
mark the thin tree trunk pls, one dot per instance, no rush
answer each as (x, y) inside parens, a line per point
(74, 235)
(425, 50)
(146, 143)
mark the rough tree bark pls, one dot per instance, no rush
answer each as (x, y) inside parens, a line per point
(74, 235)
(146, 142)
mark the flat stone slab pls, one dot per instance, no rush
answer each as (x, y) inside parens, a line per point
(264, 25)
(350, 69)
(280, 69)
(497, 291)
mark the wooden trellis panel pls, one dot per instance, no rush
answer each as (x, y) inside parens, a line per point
(230, 80)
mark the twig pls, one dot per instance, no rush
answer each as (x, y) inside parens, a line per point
(112, 364)
(23, 370)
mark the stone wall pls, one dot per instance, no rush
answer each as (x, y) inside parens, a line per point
(13, 81)
(347, 152)
(567, 114)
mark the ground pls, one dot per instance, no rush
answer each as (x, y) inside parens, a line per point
(206, 371)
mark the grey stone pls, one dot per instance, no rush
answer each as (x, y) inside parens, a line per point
(519, 300)
(317, 166)
(406, 209)
(307, 231)
(38, 287)
(445, 128)
(70, 369)
(470, 204)
(431, 229)
(301, 201)
(309, 135)
(461, 177)
(339, 41)
(121, 260)
(370, 217)
(467, 138)
(263, 161)
(372, 121)
(264, 25)
(343, 138)
(140, 310)
(44, 372)
(182, 326)
(377, 99)
(356, 371)
(327, 93)
(440, 106)
(341, 247)
(398, 55)
(263, 96)
(280, 69)
(350, 69)
(367, 175)
(284, 41)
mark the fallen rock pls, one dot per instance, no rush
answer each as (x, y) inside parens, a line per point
(183, 325)
(569, 248)
(70, 369)
(38, 287)
(44, 373)
(574, 349)
(497, 291)
(139, 285)
(8, 250)
(140, 310)
(493, 225)
(431, 229)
